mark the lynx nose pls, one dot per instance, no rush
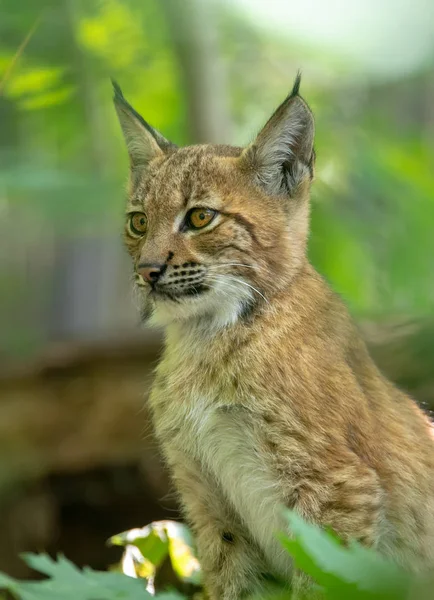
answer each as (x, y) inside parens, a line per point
(151, 272)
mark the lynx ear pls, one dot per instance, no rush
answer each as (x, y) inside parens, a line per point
(282, 154)
(143, 141)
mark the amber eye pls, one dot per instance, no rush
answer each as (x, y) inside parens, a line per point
(199, 217)
(138, 223)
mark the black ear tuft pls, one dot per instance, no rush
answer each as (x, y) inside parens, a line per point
(143, 141)
(117, 92)
(282, 154)
(118, 97)
(296, 86)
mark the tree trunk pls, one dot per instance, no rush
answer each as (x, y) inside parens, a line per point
(192, 26)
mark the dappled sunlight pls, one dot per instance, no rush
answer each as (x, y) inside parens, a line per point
(30, 80)
(114, 35)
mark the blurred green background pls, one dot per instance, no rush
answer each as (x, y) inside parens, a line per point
(208, 71)
(70, 351)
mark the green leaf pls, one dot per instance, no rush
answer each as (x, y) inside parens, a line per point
(182, 554)
(344, 572)
(162, 538)
(6, 581)
(170, 596)
(67, 582)
(62, 568)
(151, 541)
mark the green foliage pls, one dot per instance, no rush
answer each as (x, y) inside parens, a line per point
(340, 572)
(67, 582)
(63, 162)
(343, 572)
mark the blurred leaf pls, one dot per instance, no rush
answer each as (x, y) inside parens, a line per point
(50, 98)
(67, 582)
(344, 572)
(114, 33)
(159, 539)
(172, 595)
(184, 561)
(151, 541)
(6, 582)
(35, 79)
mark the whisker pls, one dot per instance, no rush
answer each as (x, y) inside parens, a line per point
(218, 279)
(232, 286)
(233, 265)
(222, 280)
(248, 285)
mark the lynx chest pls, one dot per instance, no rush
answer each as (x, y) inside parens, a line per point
(220, 436)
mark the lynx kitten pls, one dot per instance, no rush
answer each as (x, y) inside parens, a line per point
(265, 395)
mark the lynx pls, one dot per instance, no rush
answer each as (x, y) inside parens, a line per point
(265, 395)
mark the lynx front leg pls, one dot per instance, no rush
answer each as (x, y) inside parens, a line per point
(351, 505)
(231, 563)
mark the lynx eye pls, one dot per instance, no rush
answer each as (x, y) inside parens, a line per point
(199, 217)
(138, 223)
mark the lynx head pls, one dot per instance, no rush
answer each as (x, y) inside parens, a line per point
(214, 231)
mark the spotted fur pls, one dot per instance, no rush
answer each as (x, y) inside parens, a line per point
(266, 395)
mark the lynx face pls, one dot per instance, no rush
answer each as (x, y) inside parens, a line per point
(215, 231)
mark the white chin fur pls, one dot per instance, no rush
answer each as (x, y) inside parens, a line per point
(220, 306)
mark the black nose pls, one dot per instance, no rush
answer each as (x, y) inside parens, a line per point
(151, 272)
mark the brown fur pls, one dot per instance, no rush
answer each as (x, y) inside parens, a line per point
(267, 397)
